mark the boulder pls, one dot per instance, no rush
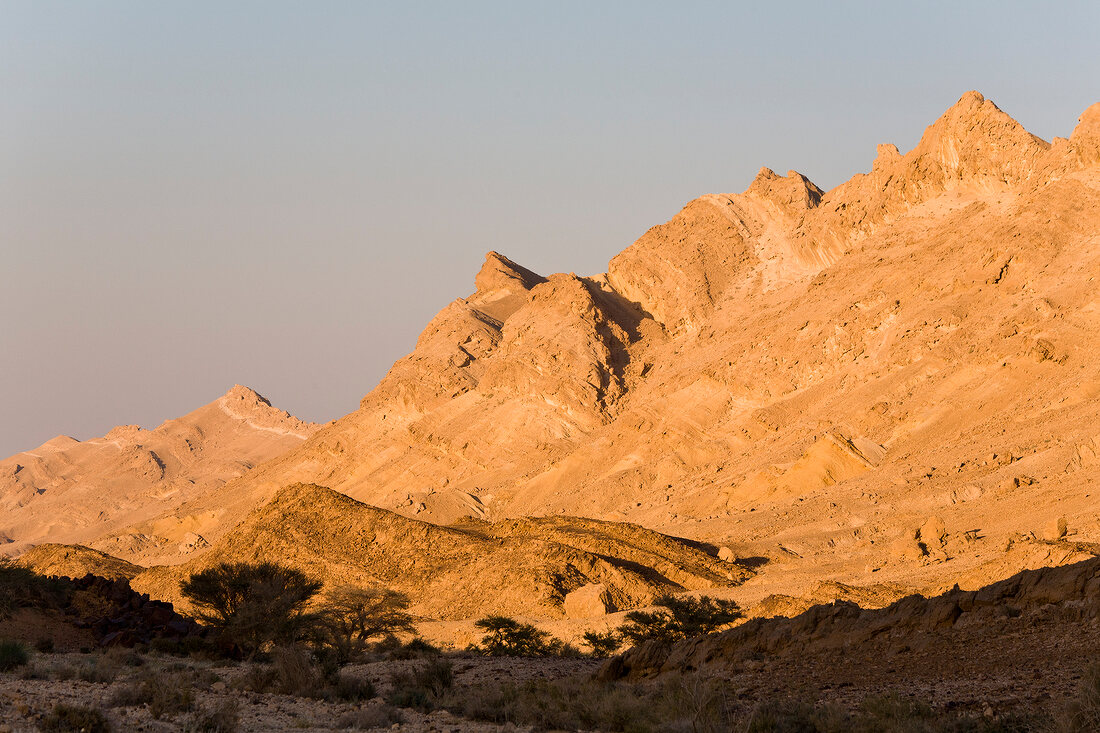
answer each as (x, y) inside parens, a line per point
(588, 601)
(725, 554)
(933, 533)
(1056, 529)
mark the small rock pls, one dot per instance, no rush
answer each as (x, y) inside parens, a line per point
(725, 554)
(1056, 529)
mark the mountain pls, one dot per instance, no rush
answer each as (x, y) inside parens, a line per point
(891, 383)
(70, 491)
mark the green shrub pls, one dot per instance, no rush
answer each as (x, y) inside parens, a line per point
(253, 604)
(679, 618)
(12, 655)
(75, 719)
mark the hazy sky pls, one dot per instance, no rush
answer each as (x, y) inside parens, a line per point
(282, 194)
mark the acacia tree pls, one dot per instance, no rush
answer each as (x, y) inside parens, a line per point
(507, 637)
(603, 645)
(253, 603)
(350, 617)
(679, 618)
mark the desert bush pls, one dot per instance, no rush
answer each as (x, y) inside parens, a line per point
(352, 688)
(253, 604)
(603, 645)
(21, 587)
(12, 654)
(370, 717)
(74, 719)
(415, 648)
(569, 704)
(34, 672)
(222, 718)
(296, 673)
(679, 618)
(507, 637)
(101, 668)
(166, 694)
(1082, 712)
(350, 617)
(422, 686)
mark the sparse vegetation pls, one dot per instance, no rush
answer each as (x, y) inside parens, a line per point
(679, 618)
(222, 718)
(253, 604)
(75, 719)
(165, 694)
(506, 637)
(102, 668)
(421, 687)
(12, 654)
(21, 587)
(603, 645)
(579, 704)
(1082, 713)
(371, 717)
(349, 618)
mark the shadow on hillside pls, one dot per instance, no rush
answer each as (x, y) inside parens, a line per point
(1024, 608)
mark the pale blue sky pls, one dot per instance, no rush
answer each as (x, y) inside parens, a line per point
(283, 194)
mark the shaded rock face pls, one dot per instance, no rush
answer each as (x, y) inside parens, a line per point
(1067, 594)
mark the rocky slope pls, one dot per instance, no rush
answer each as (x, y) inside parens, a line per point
(891, 384)
(524, 567)
(69, 491)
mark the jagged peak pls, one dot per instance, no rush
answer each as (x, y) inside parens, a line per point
(976, 125)
(1085, 138)
(240, 393)
(501, 274)
(1088, 123)
(885, 154)
(793, 193)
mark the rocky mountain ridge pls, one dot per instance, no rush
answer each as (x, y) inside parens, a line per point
(891, 383)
